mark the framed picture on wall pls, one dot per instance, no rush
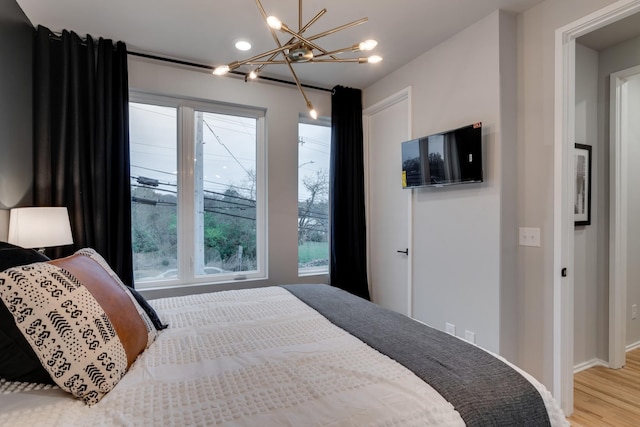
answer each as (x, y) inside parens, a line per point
(582, 200)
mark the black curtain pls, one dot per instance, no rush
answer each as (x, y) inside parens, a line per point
(81, 142)
(348, 254)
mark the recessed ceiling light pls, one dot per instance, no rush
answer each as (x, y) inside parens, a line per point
(243, 45)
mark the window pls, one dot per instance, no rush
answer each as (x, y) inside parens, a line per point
(197, 191)
(314, 144)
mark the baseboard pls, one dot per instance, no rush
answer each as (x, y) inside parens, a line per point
(599, 362)
(590, 364)
(632, 346)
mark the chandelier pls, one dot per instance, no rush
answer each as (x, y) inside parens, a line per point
(299, 49)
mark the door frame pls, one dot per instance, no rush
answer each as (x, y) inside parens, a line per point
(564, 136)
(402, 95)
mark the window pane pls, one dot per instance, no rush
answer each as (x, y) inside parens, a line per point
(313, 197)
(225, 193)
(154, 191)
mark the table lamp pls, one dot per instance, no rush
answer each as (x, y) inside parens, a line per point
(39, 227)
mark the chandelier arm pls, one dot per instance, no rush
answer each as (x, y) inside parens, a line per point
(295, 77)
(309, 24)
(263, 63)
(358, 60)
(313, 20)
(338, 51)
(292, 39)
(282, 62)
(303, 39)
(271, 30)
(303, 29)
(326, 33)
(340, 28)
(287, 29)
(262, 55)
(293, 73)
(277, 40)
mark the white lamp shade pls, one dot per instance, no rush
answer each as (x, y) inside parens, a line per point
(40, 227)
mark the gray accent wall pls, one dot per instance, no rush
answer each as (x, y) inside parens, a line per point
(16, 136)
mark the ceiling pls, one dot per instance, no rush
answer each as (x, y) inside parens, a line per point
(612, 34)
(205, 32)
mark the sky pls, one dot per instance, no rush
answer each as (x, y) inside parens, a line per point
(229, 149)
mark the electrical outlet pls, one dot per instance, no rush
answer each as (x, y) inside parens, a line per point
(634, 311)
(470, 336)
(529, 236)
(450, 328)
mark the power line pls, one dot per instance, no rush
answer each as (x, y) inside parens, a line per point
(230, 186)
(231, 196)
(153, 170)
(152, 202)
(226, 148)
(153, 145)
(135, 105)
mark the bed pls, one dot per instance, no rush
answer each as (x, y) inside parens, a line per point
(294, 355)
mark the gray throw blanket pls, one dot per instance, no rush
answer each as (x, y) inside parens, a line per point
(483, 389)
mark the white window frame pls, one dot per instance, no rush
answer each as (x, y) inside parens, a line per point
(186, 108)
(316, 271)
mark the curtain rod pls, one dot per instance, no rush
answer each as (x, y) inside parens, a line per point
(209, 67)
(206, 67)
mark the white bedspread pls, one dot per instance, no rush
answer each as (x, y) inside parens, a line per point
(256, 357)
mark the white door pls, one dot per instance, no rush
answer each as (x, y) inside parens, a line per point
(387, 124)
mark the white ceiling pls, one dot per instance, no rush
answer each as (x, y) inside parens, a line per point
(613, 34)
(204, 32)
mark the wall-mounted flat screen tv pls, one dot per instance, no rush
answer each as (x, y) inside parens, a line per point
(451, 157)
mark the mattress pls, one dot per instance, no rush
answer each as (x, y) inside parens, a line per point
(256, 357)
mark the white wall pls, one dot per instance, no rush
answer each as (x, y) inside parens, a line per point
(283, 105)
(458, 239)
(590, 322)
(535, 150)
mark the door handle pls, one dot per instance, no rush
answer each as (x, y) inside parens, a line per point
(406, 251)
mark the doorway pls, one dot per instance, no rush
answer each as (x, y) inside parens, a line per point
(625, 92)
(563, 184)
(389, 218)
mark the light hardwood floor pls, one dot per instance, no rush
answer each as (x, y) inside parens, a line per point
(608, 397)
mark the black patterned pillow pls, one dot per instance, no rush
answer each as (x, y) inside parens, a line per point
(18, 362)
(83, 324)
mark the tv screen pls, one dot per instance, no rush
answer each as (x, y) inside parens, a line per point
(452, 157)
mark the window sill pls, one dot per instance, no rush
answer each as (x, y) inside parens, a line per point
(313, 272)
